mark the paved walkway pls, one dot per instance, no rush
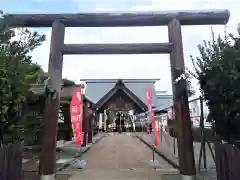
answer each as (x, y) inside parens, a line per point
(120, 157)
(67, 153)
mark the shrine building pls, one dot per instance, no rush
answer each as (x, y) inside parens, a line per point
(116, 99)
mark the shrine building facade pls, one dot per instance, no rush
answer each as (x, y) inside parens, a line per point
(122, 97)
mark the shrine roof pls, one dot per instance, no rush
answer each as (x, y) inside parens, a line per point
(164, 101)
(97, 88)
(66, 93)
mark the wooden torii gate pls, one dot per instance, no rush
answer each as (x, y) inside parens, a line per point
(174, 47)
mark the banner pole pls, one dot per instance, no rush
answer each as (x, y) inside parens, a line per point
(153, 155)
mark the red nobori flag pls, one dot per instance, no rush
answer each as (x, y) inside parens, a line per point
(76, 115)
(151, 116)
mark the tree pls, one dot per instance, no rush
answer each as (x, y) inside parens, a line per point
(16, 73)
(218, 72)
(190, 88)
(19, 43)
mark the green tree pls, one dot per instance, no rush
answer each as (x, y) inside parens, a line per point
(16, 73)
(218, 73)
(191, 90)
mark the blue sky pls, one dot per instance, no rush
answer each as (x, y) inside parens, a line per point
(63, 6)
(25, 6)
(122, 66)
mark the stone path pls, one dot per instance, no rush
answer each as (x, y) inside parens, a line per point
(120, 157)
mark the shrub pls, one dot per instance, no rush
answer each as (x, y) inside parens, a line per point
(218, 73)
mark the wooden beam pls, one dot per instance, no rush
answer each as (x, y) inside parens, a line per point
(180, 101)
(159, 18)
(85, 123)
(90, 128)
(48, 150)
(144, 48)
(62, 101)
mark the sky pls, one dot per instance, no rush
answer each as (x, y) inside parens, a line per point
(123, 66)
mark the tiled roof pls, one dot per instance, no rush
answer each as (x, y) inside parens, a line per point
(66, 93)
(97, 88)
(39, 89)
(164, 101)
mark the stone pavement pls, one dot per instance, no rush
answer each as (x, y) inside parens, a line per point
(166, 148)
(120, 157)
(67, 151)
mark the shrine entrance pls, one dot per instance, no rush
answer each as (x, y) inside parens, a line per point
(118, 107)
(172, 19)
(122, 122)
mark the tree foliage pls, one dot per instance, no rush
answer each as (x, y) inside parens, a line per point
(218, 73)
(190, 88)
(17, 71)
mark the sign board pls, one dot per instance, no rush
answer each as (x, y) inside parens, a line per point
(195, 114)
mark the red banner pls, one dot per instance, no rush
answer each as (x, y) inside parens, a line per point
(151, 116)
(76, 116)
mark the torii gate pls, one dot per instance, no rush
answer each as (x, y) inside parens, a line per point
(174, 47)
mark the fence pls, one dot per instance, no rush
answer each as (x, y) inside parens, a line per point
(228, 157)
(11, 162)
(219, 159)
(203, 136)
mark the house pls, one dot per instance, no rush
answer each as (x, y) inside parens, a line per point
(64, 121)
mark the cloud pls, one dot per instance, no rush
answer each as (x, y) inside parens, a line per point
(134, 66)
